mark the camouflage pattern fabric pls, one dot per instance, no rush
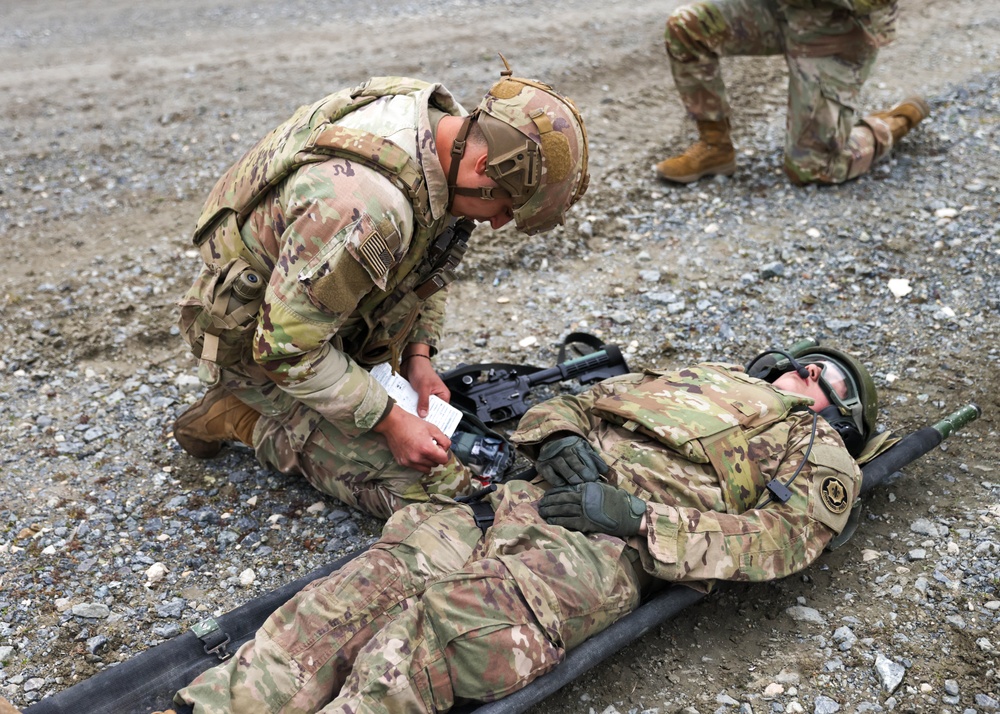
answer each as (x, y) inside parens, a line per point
(437, 612)
(337, 242)
(696, 534)
(830, 50)
(360, 471)
(433, 613)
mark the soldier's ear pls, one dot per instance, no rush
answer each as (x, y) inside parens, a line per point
(480, 165)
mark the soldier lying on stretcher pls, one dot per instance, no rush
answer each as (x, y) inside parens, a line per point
(688, 476)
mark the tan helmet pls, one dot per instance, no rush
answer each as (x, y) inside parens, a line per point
(536, 150)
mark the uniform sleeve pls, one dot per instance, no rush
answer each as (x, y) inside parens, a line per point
(685, 544)
(430, 323)
(566, 413)
(346, 229)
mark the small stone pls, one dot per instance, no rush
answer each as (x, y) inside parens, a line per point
(773, 690)
(890, 673)
(924, 527)
(951, 687)
(869, 555)
(168, 630)
(800, 613)
(785, 677)
(155, 573)
(725, 699)
(95, 643)
(772, 270)
(660, 298)
(247, 577)
(845, 637)
(95, 610)
(173, 609)
(985, 701)
(917, 554)
(946, 212)
(825, 705)
(900, 287)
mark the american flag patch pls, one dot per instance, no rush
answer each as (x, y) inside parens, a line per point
(374, 252)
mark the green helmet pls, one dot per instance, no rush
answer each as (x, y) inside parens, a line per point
(536, 150)
(855, 413)
(861, 401)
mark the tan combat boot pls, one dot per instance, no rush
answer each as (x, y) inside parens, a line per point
(904, 116)
(216, 417)
(713, 153)
(8, 708)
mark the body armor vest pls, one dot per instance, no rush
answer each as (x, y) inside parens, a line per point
(310, 136)
(705, 424)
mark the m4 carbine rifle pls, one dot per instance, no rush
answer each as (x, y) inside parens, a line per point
(496, 392)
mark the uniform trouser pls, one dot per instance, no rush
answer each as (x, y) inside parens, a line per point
(359, 470)
(829, 56)
(433, 614)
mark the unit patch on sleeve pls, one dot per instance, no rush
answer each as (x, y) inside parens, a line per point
(834, 495)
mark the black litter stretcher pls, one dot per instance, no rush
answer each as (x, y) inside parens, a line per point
(147, 682)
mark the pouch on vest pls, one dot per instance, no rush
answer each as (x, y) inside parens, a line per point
(706, 416)
(219, 330)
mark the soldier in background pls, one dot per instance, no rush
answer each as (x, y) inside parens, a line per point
(830, 47)
(690, 476)
(325, 250)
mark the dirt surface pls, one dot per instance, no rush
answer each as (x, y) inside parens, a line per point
(118, 117)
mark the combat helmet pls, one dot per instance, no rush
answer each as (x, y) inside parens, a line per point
(536, 150)
(855, 414)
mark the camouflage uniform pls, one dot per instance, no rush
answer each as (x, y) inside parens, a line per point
(341, 246)
(830, 47)
(437, 612)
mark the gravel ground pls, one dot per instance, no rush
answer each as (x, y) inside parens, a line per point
(119, 119)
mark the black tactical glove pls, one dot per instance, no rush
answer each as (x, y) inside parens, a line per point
(593, 508)
(569, 460)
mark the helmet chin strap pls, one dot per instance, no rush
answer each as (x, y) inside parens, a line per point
(486, 193)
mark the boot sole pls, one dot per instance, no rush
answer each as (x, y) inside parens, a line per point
(723, 170)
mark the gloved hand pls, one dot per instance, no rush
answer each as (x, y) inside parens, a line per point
(569, 460)
(593, 508)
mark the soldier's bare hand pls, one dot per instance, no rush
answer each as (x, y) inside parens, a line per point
(414, 443)
(420, 373)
